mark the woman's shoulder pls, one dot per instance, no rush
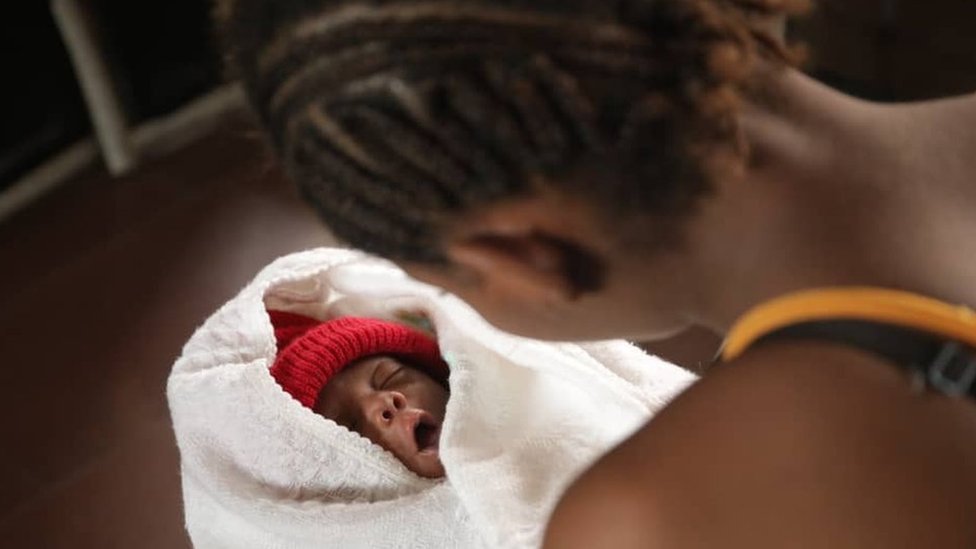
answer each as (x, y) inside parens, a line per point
(791, 441)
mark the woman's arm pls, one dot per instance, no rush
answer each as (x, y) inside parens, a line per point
(795, 445)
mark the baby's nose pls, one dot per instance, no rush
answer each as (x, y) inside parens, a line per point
(391, 403)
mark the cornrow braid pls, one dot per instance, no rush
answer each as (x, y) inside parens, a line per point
(394, 117)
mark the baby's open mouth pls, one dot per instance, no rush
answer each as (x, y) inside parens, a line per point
(427, 434)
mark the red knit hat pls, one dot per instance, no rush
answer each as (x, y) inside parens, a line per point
(311, 352)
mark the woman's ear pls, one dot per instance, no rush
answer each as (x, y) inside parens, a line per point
(542, 248)
(527, 265)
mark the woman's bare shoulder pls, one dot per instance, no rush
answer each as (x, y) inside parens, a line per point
(798, 444)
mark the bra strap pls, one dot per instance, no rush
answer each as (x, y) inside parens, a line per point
(947, 367)
(931, 339)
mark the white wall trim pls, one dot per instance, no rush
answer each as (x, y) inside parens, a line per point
(154, 138)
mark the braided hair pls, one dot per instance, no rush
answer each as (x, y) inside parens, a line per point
(394, 116)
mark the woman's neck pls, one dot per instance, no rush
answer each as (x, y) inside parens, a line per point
(841, 192)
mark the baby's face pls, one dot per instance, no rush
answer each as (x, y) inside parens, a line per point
(394, 405)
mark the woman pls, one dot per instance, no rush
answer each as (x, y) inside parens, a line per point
(586, 169)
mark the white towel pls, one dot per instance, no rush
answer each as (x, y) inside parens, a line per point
(524, 418)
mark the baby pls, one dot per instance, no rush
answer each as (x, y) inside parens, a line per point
(381, 379)
(327, 427)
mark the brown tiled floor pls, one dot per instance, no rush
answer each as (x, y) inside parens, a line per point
(103, 282)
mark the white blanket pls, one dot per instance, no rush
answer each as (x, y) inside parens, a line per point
(524, 418)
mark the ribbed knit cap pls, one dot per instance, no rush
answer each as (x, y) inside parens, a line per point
(311, 352)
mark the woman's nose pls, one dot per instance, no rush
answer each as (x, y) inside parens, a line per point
(389, 405)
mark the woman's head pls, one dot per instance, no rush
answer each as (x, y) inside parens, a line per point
(415, 128)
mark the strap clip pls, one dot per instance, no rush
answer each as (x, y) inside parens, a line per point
(953, 371)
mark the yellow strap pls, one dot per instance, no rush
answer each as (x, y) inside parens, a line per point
(904, 309)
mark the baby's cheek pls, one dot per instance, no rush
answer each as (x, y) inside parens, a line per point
(392, 447)
(378, 439)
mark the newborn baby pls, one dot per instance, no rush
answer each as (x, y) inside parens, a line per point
(262, 466)
(381, 379)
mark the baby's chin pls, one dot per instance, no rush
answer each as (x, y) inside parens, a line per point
(428, 465)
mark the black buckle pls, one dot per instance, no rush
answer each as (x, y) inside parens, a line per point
(953, 371)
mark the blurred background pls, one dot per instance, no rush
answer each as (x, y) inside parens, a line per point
(136, 197)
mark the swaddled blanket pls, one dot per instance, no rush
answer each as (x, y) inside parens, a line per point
(524, 418)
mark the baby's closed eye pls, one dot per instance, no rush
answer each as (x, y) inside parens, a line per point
(385, 371)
